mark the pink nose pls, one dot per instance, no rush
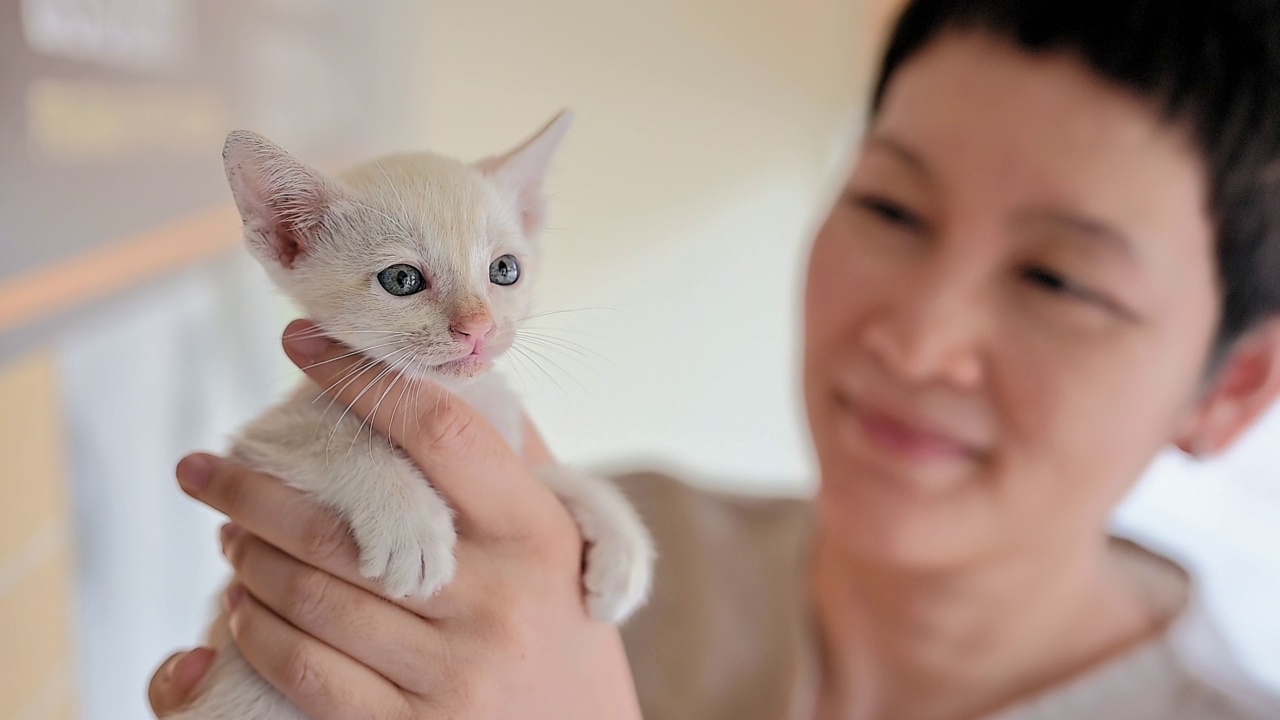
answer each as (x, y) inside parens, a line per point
(473, 331)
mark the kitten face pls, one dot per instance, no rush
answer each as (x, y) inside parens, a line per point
(416, 260)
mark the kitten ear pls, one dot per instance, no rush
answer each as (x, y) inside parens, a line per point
(523, 169)
(281, 200)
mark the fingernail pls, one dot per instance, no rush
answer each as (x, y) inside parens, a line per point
(235, 595)
(194, 472)
(228, 532)
(171, 667)
(191, 667)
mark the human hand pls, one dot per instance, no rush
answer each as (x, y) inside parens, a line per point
(509, 637)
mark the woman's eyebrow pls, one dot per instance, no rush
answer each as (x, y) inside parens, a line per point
(901, 150)
(1080, 224)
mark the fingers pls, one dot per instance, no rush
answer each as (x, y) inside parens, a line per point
(390, 639)
(263, 506)
(173, 684)
(323, 682)
(466, 459)
(273, 511)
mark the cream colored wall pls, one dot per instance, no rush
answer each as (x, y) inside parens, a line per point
(36, 566)
(682, 201)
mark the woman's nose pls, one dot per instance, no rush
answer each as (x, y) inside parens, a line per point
(929, 335)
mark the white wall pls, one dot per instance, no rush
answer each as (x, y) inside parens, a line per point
(681, 201)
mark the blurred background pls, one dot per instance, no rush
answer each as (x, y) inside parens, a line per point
(134, 329)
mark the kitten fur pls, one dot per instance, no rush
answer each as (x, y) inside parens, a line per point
(324, 241)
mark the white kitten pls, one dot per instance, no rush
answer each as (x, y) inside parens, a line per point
(423, 263)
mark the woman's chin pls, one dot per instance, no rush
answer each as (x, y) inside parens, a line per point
(874, 520)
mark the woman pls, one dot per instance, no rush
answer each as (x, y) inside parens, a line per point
(1058, 253)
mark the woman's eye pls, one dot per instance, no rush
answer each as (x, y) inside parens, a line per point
(889, 211)
(504, 271)
(1058, 284)
(401, 280)
(1048, 280)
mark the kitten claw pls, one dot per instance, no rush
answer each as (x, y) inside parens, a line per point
(409, 558)
(618, 576)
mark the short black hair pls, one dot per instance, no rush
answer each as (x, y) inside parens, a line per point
(1212, 66)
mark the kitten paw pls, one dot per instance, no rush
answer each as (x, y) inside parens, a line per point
(619, 572)
(410, 555)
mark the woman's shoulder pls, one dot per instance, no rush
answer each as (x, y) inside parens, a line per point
(711, 541)
(725, 630)
(684, 507)
(1187, 672)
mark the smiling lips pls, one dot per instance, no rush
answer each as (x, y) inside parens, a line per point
(909, 438)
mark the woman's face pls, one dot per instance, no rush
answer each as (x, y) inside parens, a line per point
(1009, 309)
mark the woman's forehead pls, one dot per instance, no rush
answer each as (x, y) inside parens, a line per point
(979, 120)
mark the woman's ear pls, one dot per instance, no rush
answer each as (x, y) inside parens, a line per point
(1243, 387)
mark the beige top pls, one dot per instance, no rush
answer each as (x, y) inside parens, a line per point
(726, 636)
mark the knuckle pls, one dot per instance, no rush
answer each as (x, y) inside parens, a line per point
(308, 595)
(460, 693)
(450, 430)
(510, 617)
(302, 672)
(228, 488)
(326, 539)
(236, 550)
(398, 711)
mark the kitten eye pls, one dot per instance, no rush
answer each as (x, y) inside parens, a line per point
(402, 280)
(504, 271)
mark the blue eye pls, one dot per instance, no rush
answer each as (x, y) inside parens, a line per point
(401, 280)
(504, 271)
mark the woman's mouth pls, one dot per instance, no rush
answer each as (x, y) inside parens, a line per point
(900, 435)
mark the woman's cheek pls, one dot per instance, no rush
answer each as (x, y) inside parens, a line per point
(1066, 426)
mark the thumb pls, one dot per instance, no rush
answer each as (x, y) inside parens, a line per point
(173, 684)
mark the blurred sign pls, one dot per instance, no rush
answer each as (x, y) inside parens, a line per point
(140, 34)
(112, 112)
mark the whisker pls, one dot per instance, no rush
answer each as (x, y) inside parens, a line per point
(524, 355)
(574, 353)
(579, 361)
(394, 190)
(355, 352)
(319, 331)
(381, 374)
(350, 373)
(524, 378)
(569, 230)
(547, 196)
(568, 310)
(404, 425)
(353, 375)
(559, 367)
(399, 375)
(564, 343)
(350, 377)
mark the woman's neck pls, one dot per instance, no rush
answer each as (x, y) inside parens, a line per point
(962, 644)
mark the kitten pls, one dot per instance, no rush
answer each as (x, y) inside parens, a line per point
(423, 263)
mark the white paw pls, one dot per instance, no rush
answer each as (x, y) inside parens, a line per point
(618, 575)
(410, 552)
